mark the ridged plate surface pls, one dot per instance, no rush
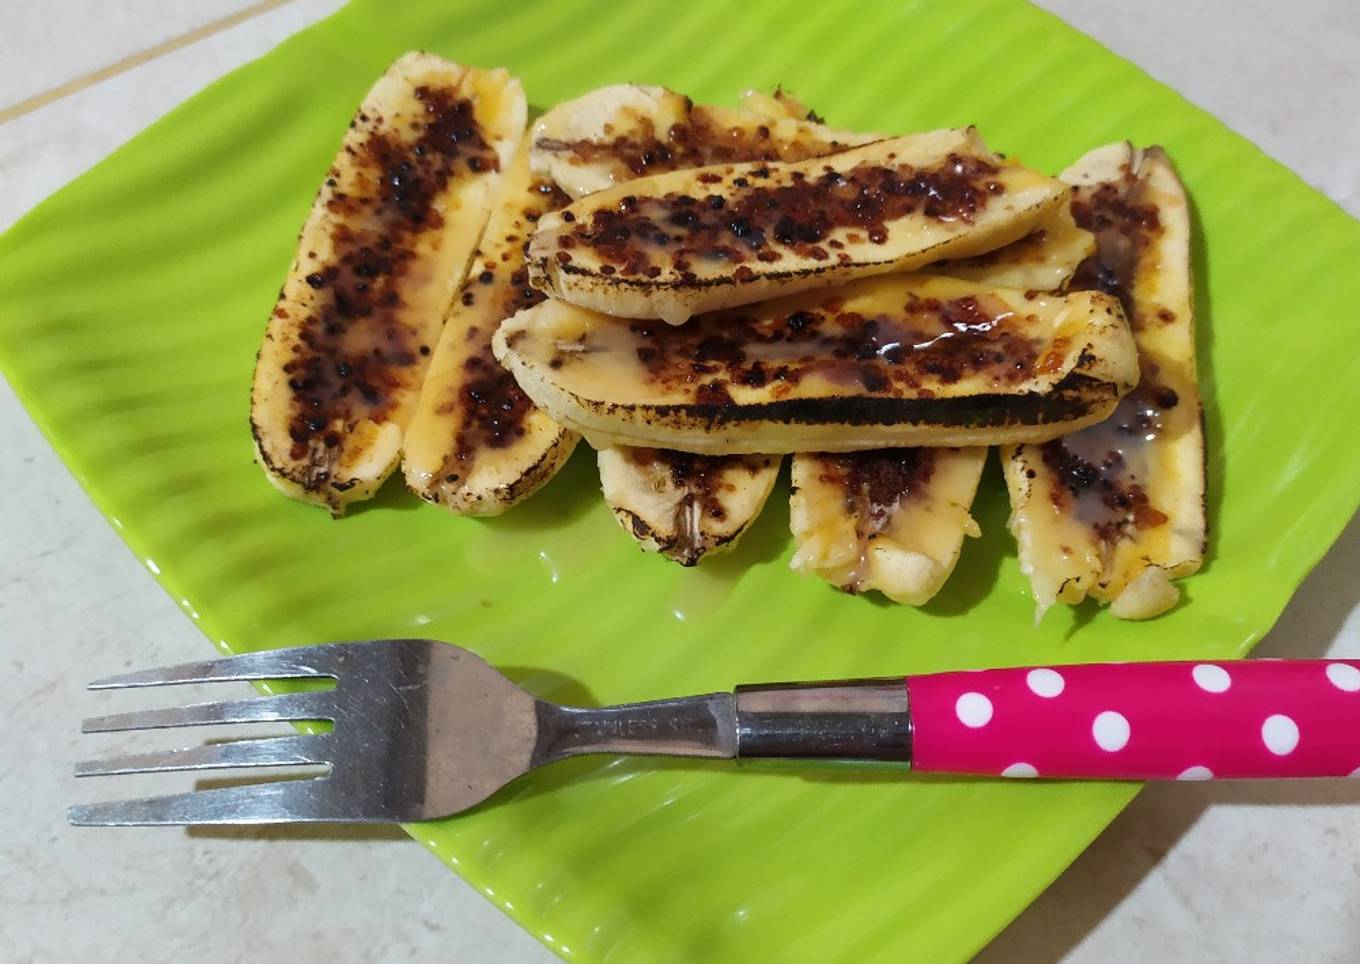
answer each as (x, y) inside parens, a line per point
(131, 304)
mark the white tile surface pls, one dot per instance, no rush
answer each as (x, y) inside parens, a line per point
(41, 151)
(1188, 873)
(44, 45)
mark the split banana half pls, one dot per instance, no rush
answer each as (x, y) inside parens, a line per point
(674, 245)
(378, 260)
(1116, 511)
(884, 362)
(476, 444)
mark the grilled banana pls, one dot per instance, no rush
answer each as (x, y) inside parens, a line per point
(882, 362)
(1116, 511)
(677, 244)
(891, 519)
(615, 134)
(685, 506)
(476, 444)
(378, 261)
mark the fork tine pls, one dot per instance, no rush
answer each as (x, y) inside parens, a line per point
(300, 662)
(290, 706)
(275, 752)
(285, 802)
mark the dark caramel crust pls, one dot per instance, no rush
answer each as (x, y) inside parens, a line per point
(926, 343)
(876, 482)
(492, 404)
(700, 478)
(354, 357)
(1124, 228)
(645, 237)
(1100, 471)
(698, 141)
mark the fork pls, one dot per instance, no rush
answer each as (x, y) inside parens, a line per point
(425, 729)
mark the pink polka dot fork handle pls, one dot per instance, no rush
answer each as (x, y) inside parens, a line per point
(1141, 721)
(1099, 721)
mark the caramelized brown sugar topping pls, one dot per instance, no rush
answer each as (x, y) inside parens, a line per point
(702, 478)
(704, 136)
(354, 354)
(752, 215)
(493, 406)
(876, 483)
(1124, 227)
(886, 337)
(1102, 472)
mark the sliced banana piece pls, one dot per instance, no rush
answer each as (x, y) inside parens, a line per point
(1116, 511)
(1043, 260)
(476, 444)
(685, 506)
(677, 244)
(625, 131)
(891, 520)
(897, 361)
(378, 261)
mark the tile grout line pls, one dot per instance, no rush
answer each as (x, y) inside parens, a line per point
(61, 91)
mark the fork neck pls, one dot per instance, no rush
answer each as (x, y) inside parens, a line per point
(846, 720)
(702, 726)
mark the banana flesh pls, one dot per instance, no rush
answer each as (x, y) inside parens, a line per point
(476, 444)
(781, 104)
(677, 244)
(382, 252)
(1043, 260)
(885, 362)
(1116, 511)
(625, 131)
(891, 520)
(685, 506)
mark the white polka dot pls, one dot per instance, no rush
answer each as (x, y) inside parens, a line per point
(973, 710)
(1280, 733)
(1211, 678)
(1045, 682)
(1195, 773)
(1344, 676)
(1111, 731)
(1020, 771)
(1355, 772)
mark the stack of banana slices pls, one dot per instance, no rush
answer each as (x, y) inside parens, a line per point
(699, 290)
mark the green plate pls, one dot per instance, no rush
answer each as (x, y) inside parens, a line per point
(131, 304)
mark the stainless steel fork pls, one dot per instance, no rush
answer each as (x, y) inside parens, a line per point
(425, 729)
